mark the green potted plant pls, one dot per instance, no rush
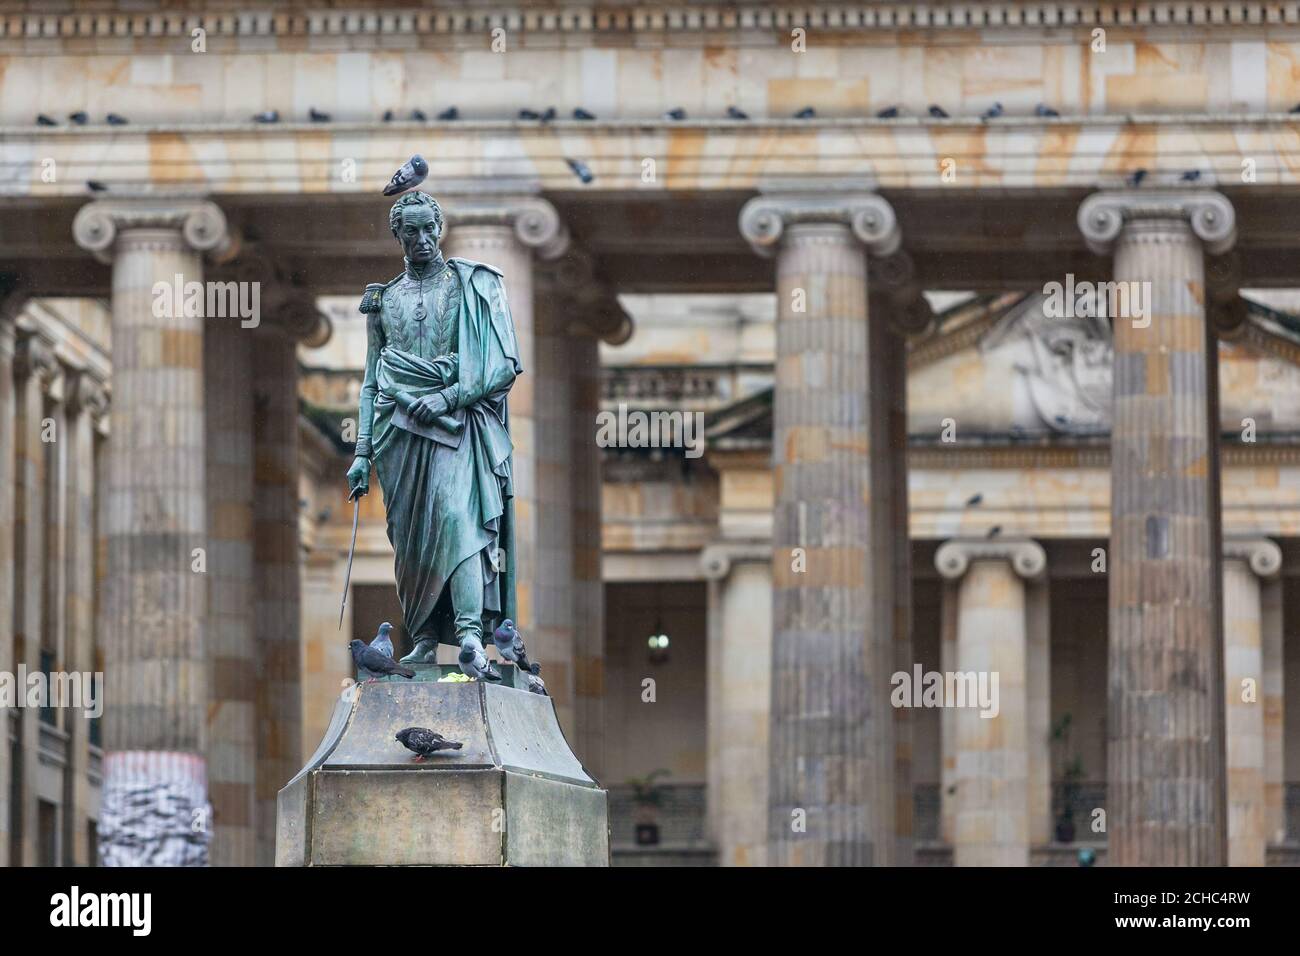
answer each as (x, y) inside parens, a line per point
(1071, 773)
(647, 796)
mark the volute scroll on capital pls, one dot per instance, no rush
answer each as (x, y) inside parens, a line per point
(537, 224)
(1027, 557)
(1262, 554)
(1103, 215)
(199, 223)
(871, 218)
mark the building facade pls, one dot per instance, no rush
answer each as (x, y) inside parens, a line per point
(928, 448)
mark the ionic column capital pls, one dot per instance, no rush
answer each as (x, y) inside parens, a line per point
(87, 393)
(35, 355)
(764, 219)
(716, 559)
(1027, 557)
(1209, 214)
(1262, 554)
(535, 222)
(195, 223)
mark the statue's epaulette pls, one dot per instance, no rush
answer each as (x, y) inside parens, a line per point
(373, 298)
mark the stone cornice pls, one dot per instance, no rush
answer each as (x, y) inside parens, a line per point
(1103, 216)
(1027, 557)
(459, 20)
(764, 218)
(199, 224)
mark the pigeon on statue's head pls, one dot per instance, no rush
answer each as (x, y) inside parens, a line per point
(373, 664)
(409, 176)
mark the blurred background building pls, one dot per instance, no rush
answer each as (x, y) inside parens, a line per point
(916, 170)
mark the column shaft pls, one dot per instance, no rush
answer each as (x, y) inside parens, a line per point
(232, 653)
(1165, 725)
(1274, 712)
(588, 587)
(739, 683)
(7, 566)
(1244, 706)
(278, 578)
(155, 599)
(37, 368)
(949, 613)
(992, 822)
(832, 730)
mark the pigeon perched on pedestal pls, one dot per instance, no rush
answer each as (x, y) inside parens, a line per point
(374, 664)
(424, 742)
(534, 680)
(383, 641)
(510, 645)
(409, 176)
(474, 663)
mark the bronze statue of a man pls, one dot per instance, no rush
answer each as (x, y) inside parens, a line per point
(441, 356)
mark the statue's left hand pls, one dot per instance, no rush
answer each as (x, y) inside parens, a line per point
(424, 410)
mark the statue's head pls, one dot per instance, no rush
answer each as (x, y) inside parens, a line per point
(416, 221)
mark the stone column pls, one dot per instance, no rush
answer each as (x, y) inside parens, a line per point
(291, 316)
(505, 231)
(1272, 638)
(232, 651)
(11, 301)
(948, 716)
(36, 371)
(1166, 787)
(739, 689)
(832, 797)
(1247, 564)
(155, 595)
(87, 405)
(588, 587)
(993, 746)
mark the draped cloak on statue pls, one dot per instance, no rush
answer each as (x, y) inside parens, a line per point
(448, 486)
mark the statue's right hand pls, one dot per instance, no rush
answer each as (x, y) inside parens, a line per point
(359, 478)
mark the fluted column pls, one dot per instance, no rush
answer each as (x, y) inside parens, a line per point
(832, 798)
(36, 371)
(739, 689)
(994, 799)
(1274, 697)
(1166, 787)
(506, 231)
(87, 405)
(155, 594)
(1249, 564)
(10, 304)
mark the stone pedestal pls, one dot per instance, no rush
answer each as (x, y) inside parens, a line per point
(513, 795)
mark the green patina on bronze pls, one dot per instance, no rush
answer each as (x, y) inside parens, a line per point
(441, 357)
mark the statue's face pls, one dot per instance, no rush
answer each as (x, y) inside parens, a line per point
(418, 233)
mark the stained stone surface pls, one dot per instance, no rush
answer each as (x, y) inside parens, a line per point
(514, 794)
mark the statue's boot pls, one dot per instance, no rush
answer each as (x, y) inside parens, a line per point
(474, 662)
(424, 652)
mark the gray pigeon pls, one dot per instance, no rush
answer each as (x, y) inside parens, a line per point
(534, 680)
(114, 120)
(424, 742)
(510, 644)
(408, 177)
(992, 112)
(383, 642)
(474, 663)
(580, 169)
(372, 664)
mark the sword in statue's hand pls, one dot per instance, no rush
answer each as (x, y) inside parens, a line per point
(355, 498)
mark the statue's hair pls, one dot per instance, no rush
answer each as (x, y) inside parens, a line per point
(414, 198)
